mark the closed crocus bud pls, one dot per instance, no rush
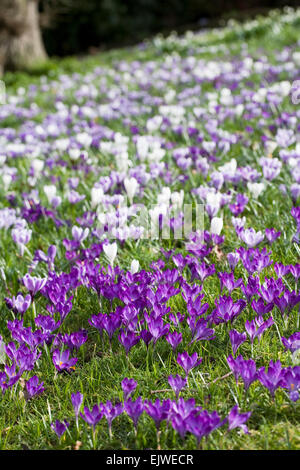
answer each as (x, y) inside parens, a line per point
(110, 251)
(50, 192)
(7, 179)
(74, 154)
(256, 189)
(96, 196)
(131, 186)
(134, 266)
(216, 225)
(37, 165)
(270, 146)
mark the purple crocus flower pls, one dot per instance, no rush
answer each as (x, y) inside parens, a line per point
(273, 378)
(59, 427)
(19, 304)
(244, 368)
(227, 310)
(237, 420)
(111, 323)
(158, 411)
(134, 409)
(128, 339)
(188, 362)
(33, 284)
(272, 235)
(34, 387)
(236, 339)
(97, 322)
(146, 337)
(292, 343)
(233, 259)
(281, 270)
(251, 237)
(128, 387)
(177, 383)
(110, 412)
(203, 424)
(157, 328)
(256, 327)
(295, 270)
(292, 381)
(47, 323)
(78, 338)
(200, 331)
(227, 280)
(251, 288)
(260, 308)
(92, 417)
(174, 339)
(62, 362)
(77, 399)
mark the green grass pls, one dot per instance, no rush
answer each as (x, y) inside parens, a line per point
(274, 424)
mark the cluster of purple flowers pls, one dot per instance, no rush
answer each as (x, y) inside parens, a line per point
(183, 415)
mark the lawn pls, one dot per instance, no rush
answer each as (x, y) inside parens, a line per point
(113, 336)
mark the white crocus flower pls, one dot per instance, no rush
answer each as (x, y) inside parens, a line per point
(110, 251)
(131, 186)
(134, 266)
(270, 146)
(37, 165)
(74, 154)
(96, 196)
(256, 189)
(50, 191)
(7, 179)
(216, 225)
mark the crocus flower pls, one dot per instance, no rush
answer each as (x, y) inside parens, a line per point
(273, 378)
(292, 343)
(33, 284)
(233, 259)
(128, 340)
(92, 417)
(203, 424)
(244, 368)
(20, 303)
(271, 234)
(110, 251)
(158, 411)
(62, 362)
(110, 412)
(134, 409)
(77, 399)
(237, 420)
(174, 339)
(59, 427)
(200, 331)
(236, 339)
(177, 383)
(21, 236)
(188, 362)
(128, 387)
(34, 387)
(292, 381)
(251, 237)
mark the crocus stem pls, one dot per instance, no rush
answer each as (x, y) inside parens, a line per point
(33, 309)
(94, 437)
(158, 439)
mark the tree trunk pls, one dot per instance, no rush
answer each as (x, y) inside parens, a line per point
(21, 44)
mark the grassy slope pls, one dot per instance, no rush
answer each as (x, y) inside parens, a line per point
(273, 424)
